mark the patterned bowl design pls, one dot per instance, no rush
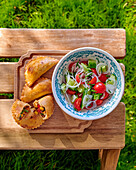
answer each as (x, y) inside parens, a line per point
(85, 54)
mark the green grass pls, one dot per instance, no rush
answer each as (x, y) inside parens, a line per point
(76, 14)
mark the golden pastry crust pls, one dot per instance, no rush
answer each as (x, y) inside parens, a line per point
(47, 103)
(17, 108)
(40, 88)
(37, 67)
(30, 120)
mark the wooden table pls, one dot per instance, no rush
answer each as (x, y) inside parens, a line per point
(106, 134)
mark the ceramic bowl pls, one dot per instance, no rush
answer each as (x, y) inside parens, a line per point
(80, 54)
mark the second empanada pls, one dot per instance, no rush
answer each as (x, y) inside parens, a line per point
(37, 67)
(40, 88)
(45, 105)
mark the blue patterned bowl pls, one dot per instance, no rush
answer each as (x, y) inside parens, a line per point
(86, 53)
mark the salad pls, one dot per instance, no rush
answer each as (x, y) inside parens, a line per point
(87, 84)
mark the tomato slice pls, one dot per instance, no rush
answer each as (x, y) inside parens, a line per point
(103, 78)
(100, 87)
(91, 105)
(93, 81)
(106, 95)
(39, 111)
(84, 62)
(80, 94)
(77, 104)
(70, 66)
(99, 102)
(77, 78)
(38, 105)
(69, 91)
(94, 71)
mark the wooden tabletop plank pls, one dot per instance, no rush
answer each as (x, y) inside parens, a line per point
(7, 76)
(104, 133)
(16, 42)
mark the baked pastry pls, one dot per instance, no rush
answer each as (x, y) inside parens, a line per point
(45, 106)
(25, 116)
(40, 88)
(31, 118)
(37, 67)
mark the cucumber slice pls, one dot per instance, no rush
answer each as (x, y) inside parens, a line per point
(73, 98)
(86, 69)
(110, 81)
(81, 88)
(96, 96)
(63, 88)
(112, 76)
(103, 69)
(71, 82)
(91, 63)
(89, 92)
(85, 98)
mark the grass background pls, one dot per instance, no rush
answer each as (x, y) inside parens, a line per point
(76, 14)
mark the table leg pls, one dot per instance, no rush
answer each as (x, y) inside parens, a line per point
(100, 154)
(109, 158)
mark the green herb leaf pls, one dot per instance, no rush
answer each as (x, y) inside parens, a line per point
(77, 64)
(26, 110)
(93, 90)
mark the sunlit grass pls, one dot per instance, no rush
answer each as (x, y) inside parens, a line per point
(76, 14)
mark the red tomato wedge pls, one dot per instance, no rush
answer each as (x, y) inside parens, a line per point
(99, 102)
(84, 62)
(91, 105)
(38, 105)
(100, 87)
(94, 71)
(77, 78)
(70, 66)
(39, 111)
(103, 78)
(69, 91)
(105, 94)
(77, 104)
(93, 81)
(80, 94)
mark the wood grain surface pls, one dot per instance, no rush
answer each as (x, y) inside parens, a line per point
(7, 74)
(16, 42)
(104, 133)
(109, 159)
(59, 122)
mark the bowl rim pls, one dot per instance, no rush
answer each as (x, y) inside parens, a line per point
(90, 117)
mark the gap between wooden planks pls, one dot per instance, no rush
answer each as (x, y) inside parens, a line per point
(105, 133)
(7, 76)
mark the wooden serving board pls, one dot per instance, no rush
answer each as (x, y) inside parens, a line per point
(59, 122)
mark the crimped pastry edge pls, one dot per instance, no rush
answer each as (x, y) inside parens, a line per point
(33, 59)
(17, 121)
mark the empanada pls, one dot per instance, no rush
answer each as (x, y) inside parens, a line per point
(40, 88)
(45, 106)
(25, 116)
(37, 67)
